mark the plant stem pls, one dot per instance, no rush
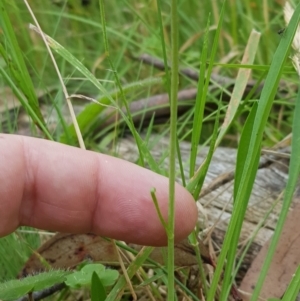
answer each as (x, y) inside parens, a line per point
(172, 150)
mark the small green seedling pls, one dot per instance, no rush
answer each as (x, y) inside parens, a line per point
(98, 292)
(83, 277)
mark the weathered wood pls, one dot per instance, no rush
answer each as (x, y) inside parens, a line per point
(270, 182)
(284, 263)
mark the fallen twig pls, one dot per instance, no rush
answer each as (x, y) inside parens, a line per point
(194, 75)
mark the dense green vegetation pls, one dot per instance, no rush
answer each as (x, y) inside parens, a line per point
(133, 30)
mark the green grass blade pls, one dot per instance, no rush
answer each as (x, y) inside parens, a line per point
(294, 171)
(241, 158)
(246, 182)
(200, 99)
(293, 289)
(197, 181)
(243, 152)
(203, 90)
(98, 292)
(172, 146)
(195, 187)
(168, 78)
(163, 45)
(11, 52)
(198, 178)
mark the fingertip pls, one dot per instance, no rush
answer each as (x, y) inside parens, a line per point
(127, 211)
(186, 213)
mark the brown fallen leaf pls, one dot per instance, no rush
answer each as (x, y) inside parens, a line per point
(68, 250)
(284, 263)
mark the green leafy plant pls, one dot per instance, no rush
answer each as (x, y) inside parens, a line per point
(83, 277)
(14, 289)
(93, 276)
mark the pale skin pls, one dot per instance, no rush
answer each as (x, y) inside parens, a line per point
(51, 186)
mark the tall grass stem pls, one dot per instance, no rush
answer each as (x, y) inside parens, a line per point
(172, 149)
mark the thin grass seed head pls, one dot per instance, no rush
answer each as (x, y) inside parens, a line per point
(287, 13)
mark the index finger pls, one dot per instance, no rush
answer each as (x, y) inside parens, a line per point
(56, 187)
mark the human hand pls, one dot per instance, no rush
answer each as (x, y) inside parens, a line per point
(52, 186)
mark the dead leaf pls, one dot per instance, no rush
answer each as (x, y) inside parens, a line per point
(284, 263)
(68, 250)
